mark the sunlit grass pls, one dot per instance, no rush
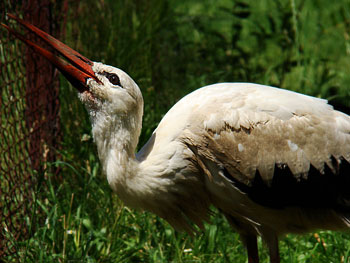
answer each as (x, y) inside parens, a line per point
(85, 222)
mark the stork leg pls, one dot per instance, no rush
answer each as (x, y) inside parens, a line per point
(252, 248)
(273, 250)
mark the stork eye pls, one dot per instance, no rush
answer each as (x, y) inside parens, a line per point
(113, 78)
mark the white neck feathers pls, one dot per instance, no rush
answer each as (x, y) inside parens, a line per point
(116, 138)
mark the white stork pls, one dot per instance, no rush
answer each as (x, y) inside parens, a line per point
(273, 161)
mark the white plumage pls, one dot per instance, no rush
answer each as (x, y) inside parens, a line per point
(234, 128)
(273, 161)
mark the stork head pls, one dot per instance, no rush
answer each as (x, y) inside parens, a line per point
(114, 102)
(111, 92)
(108, 92)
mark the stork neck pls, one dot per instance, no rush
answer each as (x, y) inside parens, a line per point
(116, 136)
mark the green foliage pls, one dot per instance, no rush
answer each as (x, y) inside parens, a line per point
(171, 48)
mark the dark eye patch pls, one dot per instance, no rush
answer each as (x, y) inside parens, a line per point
(113, 78)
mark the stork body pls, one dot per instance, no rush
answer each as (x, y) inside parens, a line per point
(273, 161)
(269, 159)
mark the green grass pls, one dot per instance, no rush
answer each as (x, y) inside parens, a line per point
(85, 222)
(171, 48)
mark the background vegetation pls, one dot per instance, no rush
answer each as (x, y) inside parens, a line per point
(171, 48)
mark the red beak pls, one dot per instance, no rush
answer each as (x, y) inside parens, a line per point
(77, 72)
